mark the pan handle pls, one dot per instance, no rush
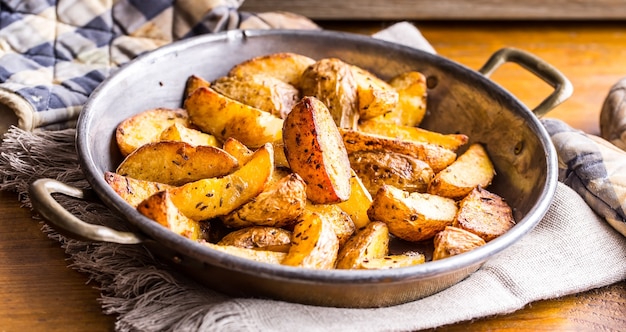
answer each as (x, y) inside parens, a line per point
(41, 191)
(563, 88)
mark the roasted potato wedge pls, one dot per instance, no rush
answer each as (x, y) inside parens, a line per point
(224, 117)
(377, 168)
(332, 82)
(314, 244)
(376, 97)
(238, 150)
(340, 221)
(414, 134)
(176, 163)
(261, 91)
(287, 67)
(263, 256)
(279, 154)
(484, 214)
(194, 82)
(180, 133)
(212, 197)
(435, 156)
(412, 216)
(160, 208)
(412, 94)
(259, 237)
(393, 261)
(360, 199)
(471, 169)
(278, 205)
(132, 190)
(369, 243)
(453, 241)
(314, 150)
(146, 127)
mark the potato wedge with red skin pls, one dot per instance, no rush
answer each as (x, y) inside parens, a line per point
(212, 197)
(314, 244)
(412, 216)
(132, 190)
(369, 243)
(315, 150)
(453, 241)
(259, 237)
(471, 169)
(160, 208)
(285, 66)
(176, 163)
(146, 127)
(223, 117)
(484, 214)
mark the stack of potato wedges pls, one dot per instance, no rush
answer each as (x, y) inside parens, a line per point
(309, 163)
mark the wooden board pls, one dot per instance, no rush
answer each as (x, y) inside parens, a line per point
(445, 9)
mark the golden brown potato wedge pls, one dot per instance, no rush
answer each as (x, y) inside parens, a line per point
(453, 241)
(132, 190)
(412, 94)
(435, 156)
(471, 169)
(369, 243)
(212, 197)
(259, 237)
(360, 199)
(176, 163)
(314, 244)
(448, 141)
(377, 168)
(146, 127)
(263, 256)
(224, 117)
(261, 91)
(332, 82)
(412, 216)
(287, 67)
(160, 208)
(314, 150)
(238, 150)
(194, 82)
(484, 214)
(376, 97)
(393, 261)
(180, 133)
(340, 221)
(279, 205)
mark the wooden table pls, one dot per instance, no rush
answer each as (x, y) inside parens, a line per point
(39, 293)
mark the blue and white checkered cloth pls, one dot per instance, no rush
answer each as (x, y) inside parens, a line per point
(53, 53)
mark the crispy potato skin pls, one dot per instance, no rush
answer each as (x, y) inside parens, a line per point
(369, 243)
(132, 190)
(314, 244)
(176, 163)
(224, 117)
(285, 66)
(377, 168)
(471, 169)
(412, 216)
(314, 150)
(279, 205)
(453, 241)
(484, 214)
(435, 156)
(375, 96)
(259, 237)
(332, 82)
(212, 197)
(146, 127)
(160, 208)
